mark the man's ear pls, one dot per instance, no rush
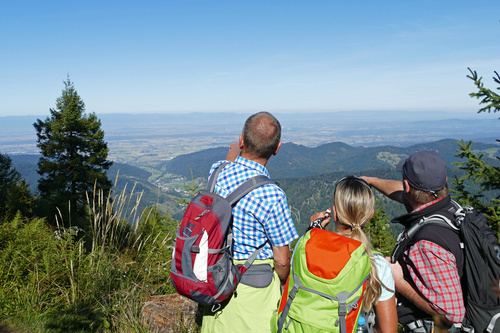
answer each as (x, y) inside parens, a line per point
(241, 141)
(277, 148)
(406, 186)
(373, 213)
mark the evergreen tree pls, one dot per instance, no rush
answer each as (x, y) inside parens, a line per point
(14, 193)
(475, 168)
(8, 175)
(378, 230)
(74, 157)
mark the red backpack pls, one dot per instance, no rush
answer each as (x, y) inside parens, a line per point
(202, 266)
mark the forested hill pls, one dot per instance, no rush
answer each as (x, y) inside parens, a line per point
(309, 195)
(297, 161)
(306, 174)
(27, 166)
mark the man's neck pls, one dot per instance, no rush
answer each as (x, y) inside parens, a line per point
(261, 161)
(419, 208)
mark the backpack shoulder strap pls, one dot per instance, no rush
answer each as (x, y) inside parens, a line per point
(213, 177)
(239, 193)
(247, 187)
(242, 190)
(405, 238)
(370, 321)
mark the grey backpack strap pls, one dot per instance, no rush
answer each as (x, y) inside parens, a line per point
(370, 321)
(492, 323)
(213, 177)
(405, 236)
(341, 297)
(291, 296)
(254, 255)
(247, 187)
(344, 307)
(242, 190)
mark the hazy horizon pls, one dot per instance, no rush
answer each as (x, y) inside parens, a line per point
(402, 113)
(132, 137)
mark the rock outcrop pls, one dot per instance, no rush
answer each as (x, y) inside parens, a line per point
(171, 313)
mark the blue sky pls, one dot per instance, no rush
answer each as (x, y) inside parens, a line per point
(244, 56)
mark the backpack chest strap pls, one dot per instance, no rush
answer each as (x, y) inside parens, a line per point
(341, 297)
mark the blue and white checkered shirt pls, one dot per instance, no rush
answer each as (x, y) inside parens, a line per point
(260, 215)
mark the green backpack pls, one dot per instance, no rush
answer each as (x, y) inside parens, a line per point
(324, 291)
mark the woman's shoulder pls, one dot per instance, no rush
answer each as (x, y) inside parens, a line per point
(381, 262)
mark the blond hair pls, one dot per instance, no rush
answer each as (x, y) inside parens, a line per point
(354, 203)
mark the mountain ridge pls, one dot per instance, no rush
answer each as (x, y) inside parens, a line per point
(294, 160)
(305, 173)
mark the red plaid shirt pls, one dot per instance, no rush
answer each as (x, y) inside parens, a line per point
(434, 272)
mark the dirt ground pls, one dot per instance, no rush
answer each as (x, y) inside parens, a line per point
(6, 329)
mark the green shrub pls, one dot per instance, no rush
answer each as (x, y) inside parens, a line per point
(56, 280)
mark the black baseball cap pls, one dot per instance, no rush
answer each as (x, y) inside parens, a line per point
(424, 170)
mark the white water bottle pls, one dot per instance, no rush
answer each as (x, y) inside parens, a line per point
(361, 325)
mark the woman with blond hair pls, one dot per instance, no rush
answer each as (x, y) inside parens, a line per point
(353, 207)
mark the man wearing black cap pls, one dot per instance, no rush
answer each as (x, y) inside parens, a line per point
(427, 272)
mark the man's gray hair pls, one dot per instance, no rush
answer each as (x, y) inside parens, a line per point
(262, 134)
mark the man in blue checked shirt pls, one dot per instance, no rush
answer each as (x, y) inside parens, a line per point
(261, 217)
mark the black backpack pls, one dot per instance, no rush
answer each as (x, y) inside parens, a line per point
(481, 266)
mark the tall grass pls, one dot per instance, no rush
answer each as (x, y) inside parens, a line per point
(58, 280)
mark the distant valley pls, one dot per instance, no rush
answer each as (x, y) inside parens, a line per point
(146, 140)
(307, 174)
(162, 155)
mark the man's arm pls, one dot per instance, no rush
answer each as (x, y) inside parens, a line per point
(234, 151)
(435, 273)
(407, 290)
(282, 262)
(393, 189)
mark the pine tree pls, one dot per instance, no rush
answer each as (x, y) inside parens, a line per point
(8, 175)
(475, 168)
(379, 232)
(74, 157)
(14, 193)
